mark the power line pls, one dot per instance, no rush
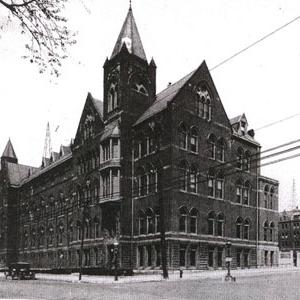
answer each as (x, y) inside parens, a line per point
(255, 43)
(277, 122)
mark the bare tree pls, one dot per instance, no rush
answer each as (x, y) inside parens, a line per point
(48, 34)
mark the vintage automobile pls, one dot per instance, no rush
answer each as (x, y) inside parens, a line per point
(19, 270)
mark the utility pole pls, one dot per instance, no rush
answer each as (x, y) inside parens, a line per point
(84, 214)
(163, 245)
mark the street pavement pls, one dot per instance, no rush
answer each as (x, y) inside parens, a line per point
(273, 284)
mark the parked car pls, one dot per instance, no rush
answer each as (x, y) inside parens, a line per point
(19, 270)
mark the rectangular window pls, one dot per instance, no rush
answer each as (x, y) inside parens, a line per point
(193, 144)
(193, 180)
(193, 257)
(182, 255)
(211, 187)
(220, 188)
(246, 196)
(211, 150)
(193, 224)
(238, 194)
(238, 257)
(211, 257)
(141, 256)
(220, 257)
(115, 150)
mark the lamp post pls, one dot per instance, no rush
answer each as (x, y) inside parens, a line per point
(228, 260)
(116, 244)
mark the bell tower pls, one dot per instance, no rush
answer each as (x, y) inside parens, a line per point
(129, 81)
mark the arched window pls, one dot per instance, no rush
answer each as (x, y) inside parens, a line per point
(247, 161)
(193, 179)
(142, 222)
(79, 230)
(211, 146)
(96, 227)
(41, 236)
(211, 184)
(194, 140)
(220, 224)
(200, 106)
(240, 157)
(193, 220)
(183, 168)
(211, 223)
(207, 109)
(182, 135)
(71, 231)
(266, 196)
(272, 227)
(142, 182)
(220, 186)
(239, 224)
(60, 232)
(220, 150)
(239, 191)
(112, 102)
(96, 190)
(246, 229)
(150, 221)
(157, 220)
(51, 234)
(271, 202)
(25, 239)
(152, 177)
(183, 219)
(246, 193)
(266, 228)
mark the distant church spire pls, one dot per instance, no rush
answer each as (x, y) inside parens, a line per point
(47, 146)
(129, 36)
(9, 153)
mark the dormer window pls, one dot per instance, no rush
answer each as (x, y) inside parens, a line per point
(243, 127)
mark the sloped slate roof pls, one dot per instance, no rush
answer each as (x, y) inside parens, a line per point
(110, 129)
(164, 97)
(9, 150)
(17, 172)
(99, 106)
(130, 36)
(235, 119)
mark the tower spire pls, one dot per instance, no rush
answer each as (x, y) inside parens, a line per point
(129, 36)
(47, 146)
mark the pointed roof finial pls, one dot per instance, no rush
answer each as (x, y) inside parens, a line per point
(130, 5)
(129, 36)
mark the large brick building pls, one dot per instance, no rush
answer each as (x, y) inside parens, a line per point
(104, 186)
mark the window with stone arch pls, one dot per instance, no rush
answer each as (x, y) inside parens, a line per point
(220, 224)
(152, 178)
(193, 220)
(182, 136)
(194, 139)
(246, 193)
(193, 179)
(266, 196)
(239, 227)
(150, 221)
(183, 214)
(247, 229)
(240, 157)
(112, 98)
(247, 161)
(211, 146)
(271, 231)
(266, 229)
(271, 198)
(60, 232)
(211, 223)
(203, 102)
(183, 174)
(142, 222)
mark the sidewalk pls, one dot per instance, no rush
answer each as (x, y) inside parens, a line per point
(173, 276)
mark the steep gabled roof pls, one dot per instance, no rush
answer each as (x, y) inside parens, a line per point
(17, 172)
(99, 106)
(129, 36)
(9, 151)
(164, 97)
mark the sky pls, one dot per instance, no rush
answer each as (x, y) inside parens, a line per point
(262, 82)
